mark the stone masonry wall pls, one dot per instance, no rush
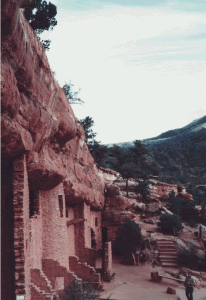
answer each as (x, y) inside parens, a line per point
(55, 242)
(36, 242)
(70, 232)
(79, 231)
(96, 223)
(107, 261)
(111, 233)
(21, 228)
(87, 225)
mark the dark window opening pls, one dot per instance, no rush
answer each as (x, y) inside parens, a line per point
(67, 213)
(93, 240)
(61, 205)
(104, 235)
(96, 222)
(33, 203)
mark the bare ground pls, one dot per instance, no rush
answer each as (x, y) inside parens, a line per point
(134, 283)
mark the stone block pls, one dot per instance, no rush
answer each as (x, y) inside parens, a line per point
(171, 291)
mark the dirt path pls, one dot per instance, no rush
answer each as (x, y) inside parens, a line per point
(134, 283)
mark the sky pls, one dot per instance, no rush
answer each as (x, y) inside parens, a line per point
(140, 65)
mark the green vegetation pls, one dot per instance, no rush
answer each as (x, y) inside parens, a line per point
(181, 159)
(143, 189)
(41, 16)
(87, 124)
(78, 290)
(71, 95)
(129, 237)
(186, 209)
(98, 151)
(170, 224)
(189, 258)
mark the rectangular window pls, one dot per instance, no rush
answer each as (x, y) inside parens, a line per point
(33, 203)
(61, 205)
(96, 222)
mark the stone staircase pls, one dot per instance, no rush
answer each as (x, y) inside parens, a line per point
(84, 271)
(41, 288)
(167, 252)
(38, 294)
(52, 269)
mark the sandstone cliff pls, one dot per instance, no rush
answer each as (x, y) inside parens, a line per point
(37, 118)
(52, 190)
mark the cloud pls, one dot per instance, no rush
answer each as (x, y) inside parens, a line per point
(187, 5)
(84, 5)
(198, 36)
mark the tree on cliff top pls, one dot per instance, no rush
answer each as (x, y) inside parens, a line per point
(87, 124)
(41, 16)
(97, 150)
(72, 96)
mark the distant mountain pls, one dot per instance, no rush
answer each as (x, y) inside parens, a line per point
(180, 154)
(175, 135)
(178, 134)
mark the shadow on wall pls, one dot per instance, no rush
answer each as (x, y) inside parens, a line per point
(7, 230)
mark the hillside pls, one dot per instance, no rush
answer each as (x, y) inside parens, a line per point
(179, 154)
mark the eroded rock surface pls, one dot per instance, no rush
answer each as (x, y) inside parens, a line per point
(38, 120)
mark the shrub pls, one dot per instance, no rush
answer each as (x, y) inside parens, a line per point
(129, 237)
(184, 208)
(81, 291)
(170, 224)
(189, 258)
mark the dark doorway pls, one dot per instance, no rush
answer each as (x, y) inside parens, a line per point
(104, 235)
(33, 203)
(7, 231)
(61, 205)
(93, 240)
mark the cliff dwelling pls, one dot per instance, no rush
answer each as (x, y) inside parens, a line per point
(57, 219)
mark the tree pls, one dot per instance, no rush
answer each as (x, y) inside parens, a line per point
(128, 170)
(41, 16)
(138, 152)
(72, 96)
(184, 208)
(170, 224)
(118, 157)
(129, 237)
(87, 124)
(143, 189)
(97, 150)
(122, 163)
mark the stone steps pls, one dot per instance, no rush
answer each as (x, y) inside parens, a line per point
(167, 253)
(171, 265)
(42, 293)
(163, 256)
(83, 270)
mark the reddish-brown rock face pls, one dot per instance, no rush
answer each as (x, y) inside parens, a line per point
(51, 204)
(37, 118)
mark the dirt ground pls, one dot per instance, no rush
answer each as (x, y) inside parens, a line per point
(134, 283)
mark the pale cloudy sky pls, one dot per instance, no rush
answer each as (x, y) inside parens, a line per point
(141, 65)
